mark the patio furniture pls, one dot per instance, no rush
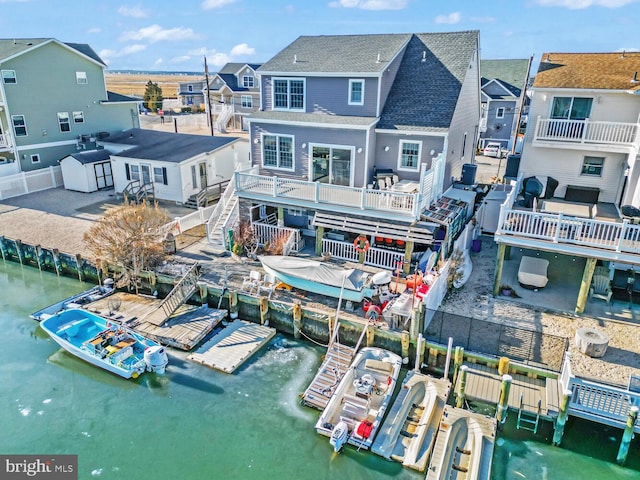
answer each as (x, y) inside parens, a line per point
(533, 272)
(267, 285)
(568, 208)
(251, 282)
(601, 288)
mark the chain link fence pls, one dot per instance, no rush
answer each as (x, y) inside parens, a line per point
(482, 336)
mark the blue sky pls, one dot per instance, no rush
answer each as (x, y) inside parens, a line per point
(175, 35)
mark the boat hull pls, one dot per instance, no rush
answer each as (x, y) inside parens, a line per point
(91, 295)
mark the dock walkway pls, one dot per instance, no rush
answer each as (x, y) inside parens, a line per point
(336, 362)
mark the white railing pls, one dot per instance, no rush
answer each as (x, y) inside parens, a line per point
(28, 182)
(266, 233)
(4, 140)
(214, 224)
(192, 220)
(612, 236)
(587, 131)
(9, 168)
(223, 118)
(376, 257)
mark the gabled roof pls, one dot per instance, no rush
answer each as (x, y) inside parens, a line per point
(14, 47)
(511, 74)
(113, 97)
(607, 71)
(424, 95)
(337, 54)
(228, 76)
(91, 156)
(165, 146)
(234, 67)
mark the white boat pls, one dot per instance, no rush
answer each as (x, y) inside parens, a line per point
(76, 301)
(361, 398)
(105, 344)
(464, 446)
(409, 431)
(319, 277)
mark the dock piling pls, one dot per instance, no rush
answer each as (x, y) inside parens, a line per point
(405, 347)
(627, 435)
(448, 360)
(503, 403)
(297, 319)
(463, 384)
(563, 413)
(264, 309)
(419, 352)
(233, 305)
(458, 358)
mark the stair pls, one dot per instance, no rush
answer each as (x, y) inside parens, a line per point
(136, 192)
(528, 420)
(224, 216)
(223, 118)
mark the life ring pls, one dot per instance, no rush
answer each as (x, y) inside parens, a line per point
(373, 313)
(358, 241)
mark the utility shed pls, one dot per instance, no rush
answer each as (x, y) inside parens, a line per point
(87, 171)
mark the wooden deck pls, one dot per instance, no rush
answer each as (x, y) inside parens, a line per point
(483, 385)
(232, 346)
(336, 362)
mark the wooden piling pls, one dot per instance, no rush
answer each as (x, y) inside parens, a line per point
(503, 366)
(39, 255)
(3, 248)
(419, 352)
(585, 284)
(627, 435)
(561, 420)
(18, 245)
(264, 309)
(79, 267)
(463, 384)
(446, 363)
(497, 277)
(233, 305)
(297, 320)
(458, 358)
(371, 334)
(405, 340)
(503, 402)
(56, 260)
(319, 236)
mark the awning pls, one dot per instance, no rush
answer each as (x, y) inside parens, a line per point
(418, 232)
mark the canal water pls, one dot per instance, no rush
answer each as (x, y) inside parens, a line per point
(196, 423)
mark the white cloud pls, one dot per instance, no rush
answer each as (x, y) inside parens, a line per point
(211, 4)
(94, 30)
(155, 33)
(449, 19)
(371, 4)
(180, 59)
(135, 12)
(159, 61)
(580, 4)
(242, 49)
(128, 50)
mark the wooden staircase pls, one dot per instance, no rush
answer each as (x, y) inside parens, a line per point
(223, 217)
(136, 192)
(207, 196)
(181, 292)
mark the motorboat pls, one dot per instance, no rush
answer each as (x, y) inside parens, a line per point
(104, 343)
(355, 411)
(93, 294)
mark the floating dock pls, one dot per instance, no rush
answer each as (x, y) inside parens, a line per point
(464, 446)
(232, 346)
(336, 362)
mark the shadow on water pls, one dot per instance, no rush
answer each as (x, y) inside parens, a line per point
(195, 383)
(62, 358)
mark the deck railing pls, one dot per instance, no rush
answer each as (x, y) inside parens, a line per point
(4, 141)
(587, 131)
(266, 233)
(376, 257)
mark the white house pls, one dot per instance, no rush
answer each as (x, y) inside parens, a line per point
(178, 166)
(87, 171)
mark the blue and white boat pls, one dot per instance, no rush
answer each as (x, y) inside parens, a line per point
(105, 344)
(76, 301)
(318, 277)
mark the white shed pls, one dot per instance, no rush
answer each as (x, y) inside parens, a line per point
(87, 171)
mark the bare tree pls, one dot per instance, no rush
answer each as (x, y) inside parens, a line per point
(130, 237)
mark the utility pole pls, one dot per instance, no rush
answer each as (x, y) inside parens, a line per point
(524, 95)
(206, 79)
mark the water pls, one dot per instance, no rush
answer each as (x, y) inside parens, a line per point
(195, 423)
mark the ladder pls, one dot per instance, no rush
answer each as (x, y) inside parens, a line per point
(528, 420)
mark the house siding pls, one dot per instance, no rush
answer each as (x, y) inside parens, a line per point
(389, 160)
(501, 129)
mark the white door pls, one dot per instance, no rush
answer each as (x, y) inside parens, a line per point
(146, 173)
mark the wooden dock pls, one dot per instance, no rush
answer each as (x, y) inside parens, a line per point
(483, 385)
(184, 329)
(336, 362)
(232, 346)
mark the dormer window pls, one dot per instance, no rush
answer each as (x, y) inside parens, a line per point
(190, 88)
(288, 94)
(356, 92)
(247, 81)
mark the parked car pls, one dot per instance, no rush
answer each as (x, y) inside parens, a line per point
(492, 149)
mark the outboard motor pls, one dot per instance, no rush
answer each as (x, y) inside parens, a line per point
(156, 359)
(339, 436)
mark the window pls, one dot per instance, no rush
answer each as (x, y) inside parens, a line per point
(189, 88)
(500, 112)
(593, 166)
(194, 177)
(571, 108)
(160, 175)
(9, 76)
(356, 92)
(19, 125)
(277, 151)
(63, 121)
(81, 78)
(288, 94)
(247, 101)
(35, 158)
(135, 172)
(247, 81)
(409, 155)
(78, 117)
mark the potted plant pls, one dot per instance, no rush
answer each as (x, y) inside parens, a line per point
(506, 290)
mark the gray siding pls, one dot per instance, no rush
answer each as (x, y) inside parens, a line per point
(389, 160)
(501, 129)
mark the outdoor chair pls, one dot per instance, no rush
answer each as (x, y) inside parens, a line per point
(388, 182)
(396, 179)
(601, 288)
(251, 282)
(267, 285)
(382, 184)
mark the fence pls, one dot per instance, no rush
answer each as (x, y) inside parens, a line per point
(527, 346)
(28, 182)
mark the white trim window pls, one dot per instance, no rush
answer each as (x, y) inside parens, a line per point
(277, 152)
(135, 171)
(500, 112)
(63, 122)
(9, 76)
(81, 78)
(288, 93)
(19, 125)
(592, 166)
(248, 81)
(246, 101)
(189, 88)
(78, 117)
(409, 155)
(35, 158)
(356, 92)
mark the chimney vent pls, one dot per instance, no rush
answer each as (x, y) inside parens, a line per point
(378, 59)
(424, 56)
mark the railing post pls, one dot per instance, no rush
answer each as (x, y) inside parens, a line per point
(538, 123)
(627, 435)
(583, 134)
(623, 231)
(317, 193)
(503, 402)
(363, 198)
(275, 186)
(557, 234)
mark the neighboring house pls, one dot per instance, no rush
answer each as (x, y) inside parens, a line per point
(581, 144)
(361, 134)
(191, 94)
(235, 93)
(175, 166)
(504, 102)
(87, 171)
(53, 102)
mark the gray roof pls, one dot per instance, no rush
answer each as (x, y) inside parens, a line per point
(116, 97)
(337, 54)
(14, 46)
(91, 156)
(424, 95)
(302, 117)
(511, 73)
(233, 67)
(165, 146)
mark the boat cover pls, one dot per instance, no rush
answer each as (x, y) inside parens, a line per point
(315, 271)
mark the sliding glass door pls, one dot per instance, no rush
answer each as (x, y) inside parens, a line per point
(331, 164)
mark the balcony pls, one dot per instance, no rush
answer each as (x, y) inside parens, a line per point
(565, 133)
(5, 141)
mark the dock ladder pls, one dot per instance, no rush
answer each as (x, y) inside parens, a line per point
(528, 420)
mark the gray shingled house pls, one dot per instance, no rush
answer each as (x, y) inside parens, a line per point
(360, 135)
